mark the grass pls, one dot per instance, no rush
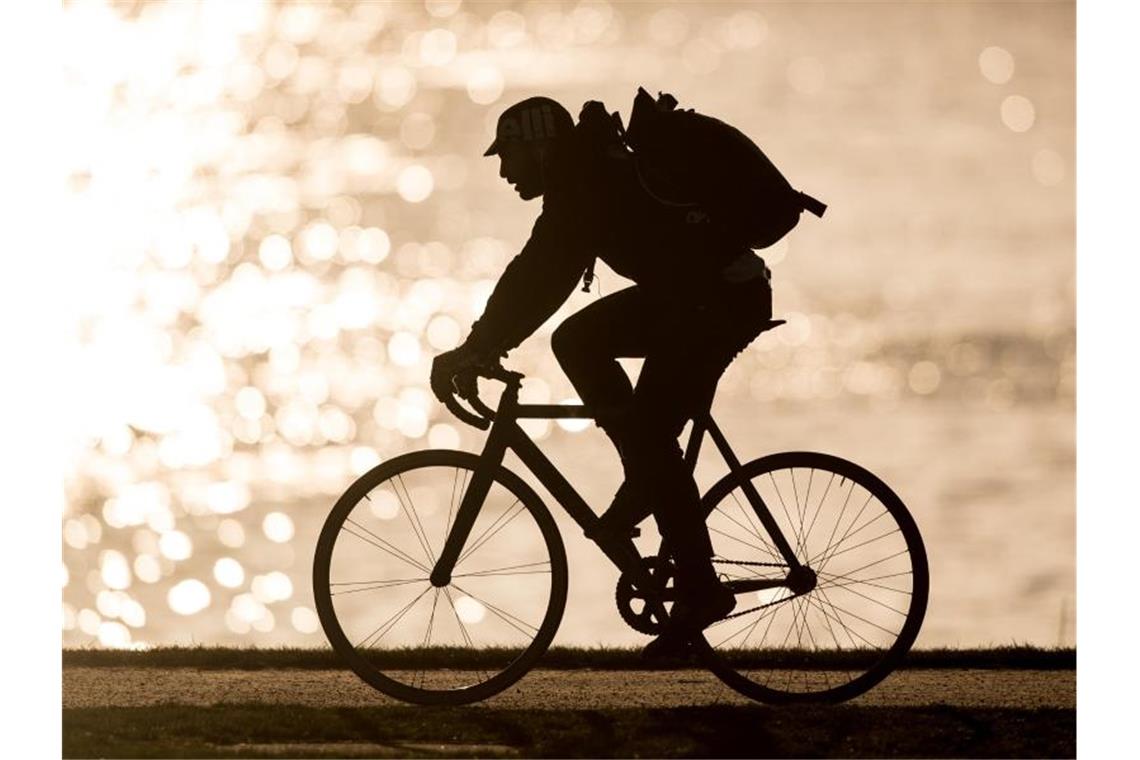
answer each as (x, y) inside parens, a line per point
(558, 658)
(712, 731)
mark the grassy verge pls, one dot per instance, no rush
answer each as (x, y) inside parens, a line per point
(715, 731)
(561, 658)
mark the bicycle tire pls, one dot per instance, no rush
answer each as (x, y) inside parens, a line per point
(372, 669)
(728, 664)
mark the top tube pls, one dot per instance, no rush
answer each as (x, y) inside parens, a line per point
(552, 411)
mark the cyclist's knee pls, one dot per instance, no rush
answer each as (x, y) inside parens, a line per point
(570, 344)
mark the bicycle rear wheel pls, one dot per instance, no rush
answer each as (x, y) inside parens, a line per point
(852, 623)
(424, 644)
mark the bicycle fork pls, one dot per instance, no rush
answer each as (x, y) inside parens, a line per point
(470, 505)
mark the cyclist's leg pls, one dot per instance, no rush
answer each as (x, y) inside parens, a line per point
(589, 343)
(682, 367)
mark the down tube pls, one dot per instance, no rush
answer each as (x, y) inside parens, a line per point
(550, 477)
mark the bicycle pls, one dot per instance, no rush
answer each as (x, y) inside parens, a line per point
(432, 627)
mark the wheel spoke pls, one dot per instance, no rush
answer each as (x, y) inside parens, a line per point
(373, 586)
(492, 531)
(751, 532)
(527, 568)
(818, 509)
(507, 617)
(383, 545)
(384, 628)
(861, 606)
(856, 546)
(414, 519)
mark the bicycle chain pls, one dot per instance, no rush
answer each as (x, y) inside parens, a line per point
(750, 564)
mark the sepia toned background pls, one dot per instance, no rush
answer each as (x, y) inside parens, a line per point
(277, 213)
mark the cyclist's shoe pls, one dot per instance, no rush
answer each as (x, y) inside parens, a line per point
(699, 608)
(693, 612)
(621, 518)
(671, 646)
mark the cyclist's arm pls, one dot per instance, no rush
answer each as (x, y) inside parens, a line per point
(535, 283)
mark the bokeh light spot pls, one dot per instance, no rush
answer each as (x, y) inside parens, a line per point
(231, 533)
(228, 572)
(395, 87)
(175, 545)
(573, 424)
(404, 349)
(147, 568)
(114, 570)
(188, 597)
(415, 183)
(88, 621)
(1018, 113)
(272, 587)
(362, 459)
(114, 635)
(304, 620)
(443, 436)
(506, 29)
(373, 245)
(924, 377)
(485, 84)
(442, 8)
(996, 64)
(437, 47)
(384, 504)
(278, 527)
(275, 253)
(469, 610)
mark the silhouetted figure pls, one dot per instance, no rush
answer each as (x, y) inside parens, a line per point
(701, 296)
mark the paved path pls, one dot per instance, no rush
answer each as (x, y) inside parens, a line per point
(547, 689)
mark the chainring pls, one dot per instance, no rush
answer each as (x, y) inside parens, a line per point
(631, 601)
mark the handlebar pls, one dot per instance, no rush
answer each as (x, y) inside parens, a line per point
(469, 392)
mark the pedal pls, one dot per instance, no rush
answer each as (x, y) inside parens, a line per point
(602, 533)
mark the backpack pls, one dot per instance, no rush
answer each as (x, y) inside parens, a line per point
(698, 163)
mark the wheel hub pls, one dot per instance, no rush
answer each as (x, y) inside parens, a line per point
(801, 580)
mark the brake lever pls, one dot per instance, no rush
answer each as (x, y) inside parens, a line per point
(455, 408)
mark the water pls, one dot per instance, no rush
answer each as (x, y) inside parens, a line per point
(930, 331)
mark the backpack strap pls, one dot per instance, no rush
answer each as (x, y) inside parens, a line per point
(811, 204)
(587, 279)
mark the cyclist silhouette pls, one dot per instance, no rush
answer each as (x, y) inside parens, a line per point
(699, 299)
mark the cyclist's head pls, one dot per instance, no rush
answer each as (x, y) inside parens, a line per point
(524, 132)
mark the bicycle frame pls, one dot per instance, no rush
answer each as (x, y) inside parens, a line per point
(506, 434)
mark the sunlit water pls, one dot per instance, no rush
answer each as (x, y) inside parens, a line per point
(281, 214)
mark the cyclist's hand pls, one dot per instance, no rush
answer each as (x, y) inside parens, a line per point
(445, 369)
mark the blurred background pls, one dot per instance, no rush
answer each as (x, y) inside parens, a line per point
(278, 213)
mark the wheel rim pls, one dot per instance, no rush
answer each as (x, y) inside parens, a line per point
(409, 638)
(842, 631)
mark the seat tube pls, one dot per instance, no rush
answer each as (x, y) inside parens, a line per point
(472, 501)
(753, 496)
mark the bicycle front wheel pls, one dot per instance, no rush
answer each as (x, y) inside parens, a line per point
(849, 618)
(452, 644)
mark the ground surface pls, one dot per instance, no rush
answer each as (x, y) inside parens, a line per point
(146, 711)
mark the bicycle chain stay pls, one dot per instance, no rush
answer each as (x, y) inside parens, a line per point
(754, 564)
